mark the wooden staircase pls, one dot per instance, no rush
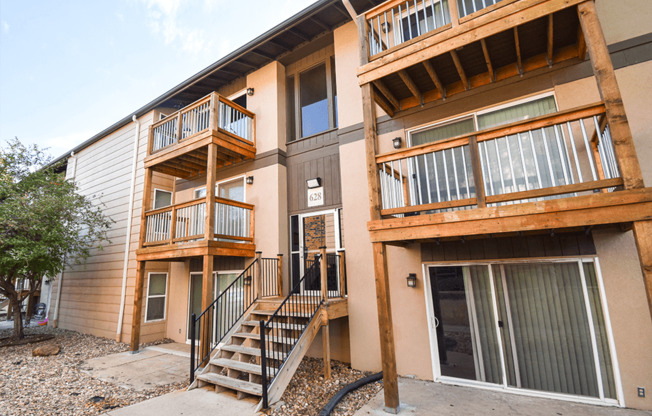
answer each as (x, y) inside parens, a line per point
(235, 366)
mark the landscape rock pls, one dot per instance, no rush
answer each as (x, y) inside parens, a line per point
(46, 350)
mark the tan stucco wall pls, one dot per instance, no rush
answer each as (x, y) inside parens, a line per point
(268, 103)
(347, 60)
(628, 311)
(624, 19)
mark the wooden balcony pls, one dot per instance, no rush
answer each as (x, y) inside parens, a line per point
(178, 143)
(180, 230)
(419, 52)
(551, 172)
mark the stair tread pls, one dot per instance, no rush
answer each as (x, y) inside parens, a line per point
(279, 339)
(232, 383)
(246, 350)
(237, 365)
(281, 325)
(270, 313)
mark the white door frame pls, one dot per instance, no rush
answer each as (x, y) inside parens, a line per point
(432, 333)
(338, 240)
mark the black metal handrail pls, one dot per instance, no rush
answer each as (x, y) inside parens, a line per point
(275, 345)
(221, 315)
(269, 275)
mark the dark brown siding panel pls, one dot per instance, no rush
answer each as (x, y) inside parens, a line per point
(544, 245)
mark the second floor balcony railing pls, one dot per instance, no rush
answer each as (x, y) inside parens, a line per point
(211, 113)
(187, 222)
(556, 155)
(396, 22)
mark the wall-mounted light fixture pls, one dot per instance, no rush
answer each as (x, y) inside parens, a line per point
(397, 142)
(247, 280)
(250, 180)
(412, 280)
(250, 91)
(313, 183)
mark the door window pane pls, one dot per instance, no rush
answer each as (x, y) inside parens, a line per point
(233, 190)
(446, 131)
(314, 101)
(517, 112)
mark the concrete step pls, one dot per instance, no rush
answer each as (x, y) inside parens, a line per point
(232, 383)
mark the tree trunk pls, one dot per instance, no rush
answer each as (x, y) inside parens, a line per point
(18, 319)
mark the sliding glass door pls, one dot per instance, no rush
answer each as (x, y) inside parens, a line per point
(537, 326)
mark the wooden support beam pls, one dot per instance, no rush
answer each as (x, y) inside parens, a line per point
(206, 300)
(326, 350)
(407, 80)
(476, 164)
(460, 69)
(320, 24)
(258, 276)
(279, 275)
(137, 313)
(280, 44)
(147, 196)
(298, 34)
(581, 44)
(384, 104)
(342, 267)
(608, 86)
(386, 329)
(519, 60)
(487, 59)
(550, 46)
(387, 93)
(351, 10)
(435, 78)
(323, 273)
(263, 54)
(643, 238)
(211, 174)
(373, 177)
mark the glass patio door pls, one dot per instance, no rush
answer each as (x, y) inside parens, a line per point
(537, 326)
(221, 281)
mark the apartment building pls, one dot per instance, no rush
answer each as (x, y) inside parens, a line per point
(451, 190)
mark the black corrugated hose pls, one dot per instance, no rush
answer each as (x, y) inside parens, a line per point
(348, 389)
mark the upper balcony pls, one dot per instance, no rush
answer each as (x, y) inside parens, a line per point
(548, 173)
(416, 52)
(178, 143)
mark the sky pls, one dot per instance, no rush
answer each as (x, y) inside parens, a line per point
(71, 68)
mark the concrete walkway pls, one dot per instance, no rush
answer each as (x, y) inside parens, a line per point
(190, 403)
(151, 367)
(423, 398)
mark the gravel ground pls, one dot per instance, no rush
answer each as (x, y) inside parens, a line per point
(55, 385)
(308, 392)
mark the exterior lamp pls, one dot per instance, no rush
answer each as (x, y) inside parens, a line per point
(250, 180)
(250, 91)
(397, 142)
(313, 183)
(247, 280)
(412, 280)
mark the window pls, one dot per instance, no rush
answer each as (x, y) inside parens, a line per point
(312, 101)
(162, 198)
(233, 189)
(200, 193)
(156, 294)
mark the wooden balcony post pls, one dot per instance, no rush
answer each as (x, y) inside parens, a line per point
(212, 120)
(138, 306)
(179, 126)
(342, 266)
(211, 173)
(150, 142)
(173, 225)
(279, 274)
(605, 76)
(326, 349)
(206, 300)
(147, 196)
(476, 164)
(455, 16)
(323, 273)
(386, 328)
(258, 276)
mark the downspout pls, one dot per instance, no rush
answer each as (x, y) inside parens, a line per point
(125, 265)
(55, 320)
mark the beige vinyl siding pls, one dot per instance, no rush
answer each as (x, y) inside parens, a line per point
(90, 299)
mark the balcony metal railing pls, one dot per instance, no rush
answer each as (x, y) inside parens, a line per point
(187, 222)
(555, 155)
(210, 113)
(396, 22)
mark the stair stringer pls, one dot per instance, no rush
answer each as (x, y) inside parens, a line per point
(225, 341)
(283, 378)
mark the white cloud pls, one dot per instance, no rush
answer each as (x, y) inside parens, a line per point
(59, 145)
(164, 20)
(5, 27)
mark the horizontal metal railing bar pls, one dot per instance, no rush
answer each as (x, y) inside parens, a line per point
(496, 132)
